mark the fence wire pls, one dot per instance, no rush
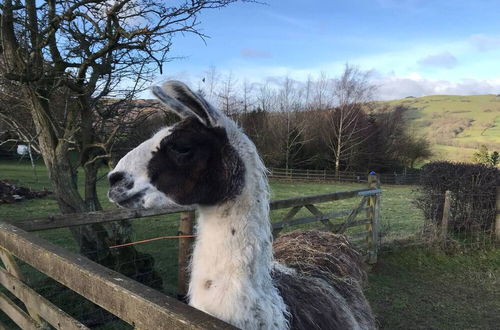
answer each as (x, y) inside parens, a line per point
(343, 176)
(466, 222)
(161, 255)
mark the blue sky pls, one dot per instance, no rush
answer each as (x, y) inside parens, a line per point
(411, 47)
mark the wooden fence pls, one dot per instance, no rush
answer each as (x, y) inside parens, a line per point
(352, 177)
(134, 303)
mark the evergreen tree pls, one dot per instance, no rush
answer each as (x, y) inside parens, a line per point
(495, 158)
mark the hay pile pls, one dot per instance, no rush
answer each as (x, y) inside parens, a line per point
(319, 254)
(11, 193)
(325, 292)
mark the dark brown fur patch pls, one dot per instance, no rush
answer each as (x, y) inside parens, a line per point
(323, 261)
(310, 305)
(196, 164)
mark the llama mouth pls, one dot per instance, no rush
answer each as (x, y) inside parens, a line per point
(129, 202)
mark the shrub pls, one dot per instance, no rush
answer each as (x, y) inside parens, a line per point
(473, 188)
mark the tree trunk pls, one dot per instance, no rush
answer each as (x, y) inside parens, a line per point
(93, 240)
(337, 159)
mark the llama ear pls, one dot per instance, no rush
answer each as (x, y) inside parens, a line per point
(185, 102)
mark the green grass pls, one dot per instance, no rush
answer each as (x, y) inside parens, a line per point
(409, 288)
(430, 115)
(412, 288)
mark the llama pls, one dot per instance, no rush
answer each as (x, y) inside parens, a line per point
(207, 161)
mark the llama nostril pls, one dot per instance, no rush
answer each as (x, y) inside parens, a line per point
(116, 177)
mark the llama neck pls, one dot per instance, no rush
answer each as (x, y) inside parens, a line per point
(232, 262)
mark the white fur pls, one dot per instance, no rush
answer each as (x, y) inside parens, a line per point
(238, 266)
(135, 163)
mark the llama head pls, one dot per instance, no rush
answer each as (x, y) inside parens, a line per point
(199, 160)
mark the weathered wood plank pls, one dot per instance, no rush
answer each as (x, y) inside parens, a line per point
(335, 227)
(48, 311)
(446, 216)
(353, 214)
(16, 314)
(300, 221)
(291, 213)
(370, 192)
(372, 183)
(290, 202)
(285, 222)
(131, 301)
(363, 234)
(326, 222)
(13, 268)
(371, 238)
(78, 219)
(376, 222)
(356, 223)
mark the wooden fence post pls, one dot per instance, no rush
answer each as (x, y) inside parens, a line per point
(497, 217)
(185, 228)
(373, 215)
(446, 216)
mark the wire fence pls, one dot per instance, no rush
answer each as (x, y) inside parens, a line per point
(463, 222)
(351, 177)
(153, 263)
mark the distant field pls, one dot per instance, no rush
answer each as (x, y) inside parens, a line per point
(455, 125)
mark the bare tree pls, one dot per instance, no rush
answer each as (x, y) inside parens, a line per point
(321, 99)
(228, 99)
(289, 100)
(76, 52)
(211, 79)
(346, 123)
(308, 92)
(266, 97)
(247, 102)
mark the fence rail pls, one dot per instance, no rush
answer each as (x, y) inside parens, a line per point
(134, 303)
(352, 177)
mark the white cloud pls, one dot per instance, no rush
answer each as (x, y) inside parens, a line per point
(255, 53)
(443, 59)
(390, 88)
(484, 43)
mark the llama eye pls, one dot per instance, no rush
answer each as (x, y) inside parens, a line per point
(180, 149)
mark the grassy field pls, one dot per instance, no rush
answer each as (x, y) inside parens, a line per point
(455, 125)
(414, 288)
(409, 288)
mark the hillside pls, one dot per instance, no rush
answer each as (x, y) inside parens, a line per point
(455, 125)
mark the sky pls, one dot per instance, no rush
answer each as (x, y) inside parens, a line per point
(410, 47)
